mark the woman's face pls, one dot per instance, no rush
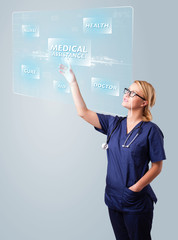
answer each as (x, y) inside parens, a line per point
(133, 102)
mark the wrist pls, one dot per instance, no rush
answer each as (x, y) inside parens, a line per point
(137, 188)
(72, 82)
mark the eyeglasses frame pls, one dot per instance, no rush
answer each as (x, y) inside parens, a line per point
(135, 94)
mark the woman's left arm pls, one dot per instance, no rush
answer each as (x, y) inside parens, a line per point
(153, 172)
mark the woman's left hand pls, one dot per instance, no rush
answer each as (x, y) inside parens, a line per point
(134, 188)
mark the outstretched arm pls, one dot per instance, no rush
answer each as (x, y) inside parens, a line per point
(80, 105)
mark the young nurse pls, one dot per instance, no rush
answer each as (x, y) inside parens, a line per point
(134, 142)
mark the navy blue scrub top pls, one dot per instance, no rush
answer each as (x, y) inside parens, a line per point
(127, 165)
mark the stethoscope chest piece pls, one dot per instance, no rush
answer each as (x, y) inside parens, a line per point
(104, 146)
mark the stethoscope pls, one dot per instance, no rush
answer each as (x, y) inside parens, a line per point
(105, 145)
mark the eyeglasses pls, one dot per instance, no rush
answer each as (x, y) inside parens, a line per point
(132, 93)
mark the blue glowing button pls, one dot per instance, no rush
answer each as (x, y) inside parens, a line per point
(77, 51)
(30, 72)
(30, 30)
(97, 25)
(61, 86)
(105, 86)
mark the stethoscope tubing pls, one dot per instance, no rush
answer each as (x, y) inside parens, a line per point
(128, 145)
(105, 145)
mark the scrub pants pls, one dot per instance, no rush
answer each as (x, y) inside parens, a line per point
(128, 226)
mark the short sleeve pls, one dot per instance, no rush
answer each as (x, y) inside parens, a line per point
(156, 144)
(105, 121)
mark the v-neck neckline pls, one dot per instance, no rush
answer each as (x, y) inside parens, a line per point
(132, 128)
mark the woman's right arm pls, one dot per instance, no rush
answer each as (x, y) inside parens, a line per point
(82, 110)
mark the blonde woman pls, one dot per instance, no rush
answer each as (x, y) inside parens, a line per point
(132, 142)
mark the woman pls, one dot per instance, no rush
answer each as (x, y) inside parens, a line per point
(132, 142)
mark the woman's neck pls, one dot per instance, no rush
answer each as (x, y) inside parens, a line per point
(134, 116)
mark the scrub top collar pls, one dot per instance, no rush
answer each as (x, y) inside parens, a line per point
(125, 126)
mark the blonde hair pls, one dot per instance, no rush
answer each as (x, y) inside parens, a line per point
(150, 95)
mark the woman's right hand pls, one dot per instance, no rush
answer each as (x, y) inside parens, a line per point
(67, 72)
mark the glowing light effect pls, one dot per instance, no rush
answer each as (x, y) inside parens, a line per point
(97, 43)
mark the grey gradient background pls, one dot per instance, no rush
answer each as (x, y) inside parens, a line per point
(52, 167)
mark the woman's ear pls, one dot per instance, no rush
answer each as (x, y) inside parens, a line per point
(145, 103)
